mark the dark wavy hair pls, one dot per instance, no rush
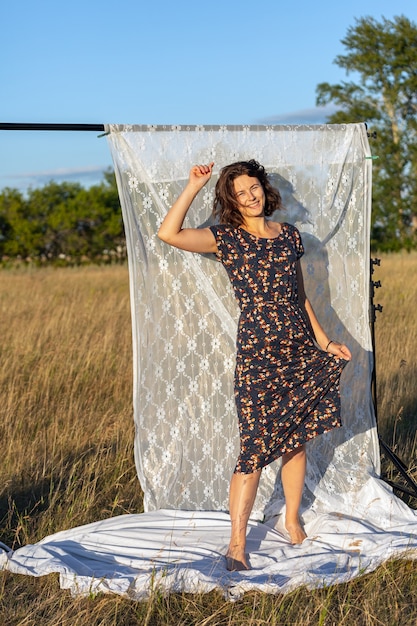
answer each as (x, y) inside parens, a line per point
(225, 205)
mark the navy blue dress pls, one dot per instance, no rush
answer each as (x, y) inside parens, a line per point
(286, 388)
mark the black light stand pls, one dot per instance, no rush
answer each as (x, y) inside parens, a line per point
(392, 456)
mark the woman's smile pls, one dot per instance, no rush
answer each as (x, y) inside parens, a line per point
(249, 195)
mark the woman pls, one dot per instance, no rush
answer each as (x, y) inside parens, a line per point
(286, 388)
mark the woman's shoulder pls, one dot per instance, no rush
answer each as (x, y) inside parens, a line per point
(223, 231)
(222, 228)
(291, 231)
(293, 234)
(290, 228)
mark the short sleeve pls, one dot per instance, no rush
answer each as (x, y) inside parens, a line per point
(298, 244)
(218, 231)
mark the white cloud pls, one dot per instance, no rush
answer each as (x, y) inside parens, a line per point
(314, 115)
(86, 176)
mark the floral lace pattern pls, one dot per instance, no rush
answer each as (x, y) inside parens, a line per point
(185, 315)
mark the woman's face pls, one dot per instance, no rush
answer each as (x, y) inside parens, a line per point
(250, 196)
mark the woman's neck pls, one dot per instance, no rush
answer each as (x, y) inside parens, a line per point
(261, 227)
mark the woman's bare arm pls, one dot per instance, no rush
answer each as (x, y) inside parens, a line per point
(171, 230)
(334, 347)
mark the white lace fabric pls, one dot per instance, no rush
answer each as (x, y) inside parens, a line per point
(184, 312)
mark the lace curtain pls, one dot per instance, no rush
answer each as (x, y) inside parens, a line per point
(184, 313)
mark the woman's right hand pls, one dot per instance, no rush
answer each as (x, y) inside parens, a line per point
(200, 175)
(171, 230)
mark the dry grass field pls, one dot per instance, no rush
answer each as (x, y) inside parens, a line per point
(66, 434)
(396, 356)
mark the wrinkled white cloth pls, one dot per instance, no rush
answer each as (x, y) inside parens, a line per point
(183, 551)
(184, 313)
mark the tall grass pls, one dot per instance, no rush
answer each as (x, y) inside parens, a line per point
(396, 359)
(66, 378)
(66, 434)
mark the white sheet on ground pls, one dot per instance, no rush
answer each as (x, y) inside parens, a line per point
(183, 551)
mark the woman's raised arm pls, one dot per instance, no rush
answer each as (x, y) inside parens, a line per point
(171, 230)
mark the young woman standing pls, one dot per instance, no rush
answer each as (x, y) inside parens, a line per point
(287, 369)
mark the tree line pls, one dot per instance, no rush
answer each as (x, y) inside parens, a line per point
(67, 223)
(382, 59)
(63, 223)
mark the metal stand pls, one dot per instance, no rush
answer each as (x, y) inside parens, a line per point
(392, 456)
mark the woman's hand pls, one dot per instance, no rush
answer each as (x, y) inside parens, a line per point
(339, 349)
(200, 175)
(171, 230)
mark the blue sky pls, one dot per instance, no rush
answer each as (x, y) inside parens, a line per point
(160, 62)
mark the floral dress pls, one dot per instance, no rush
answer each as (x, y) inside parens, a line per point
(286, 388)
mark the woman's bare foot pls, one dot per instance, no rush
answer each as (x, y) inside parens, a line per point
(296, 532)
(236, 561)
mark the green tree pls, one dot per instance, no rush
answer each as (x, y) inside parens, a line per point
(99, 229)
(18, 231)
(49, 209)
(63, 221)
(382, 56)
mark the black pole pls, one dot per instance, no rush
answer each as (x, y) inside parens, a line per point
(393, 457)
(30, 126)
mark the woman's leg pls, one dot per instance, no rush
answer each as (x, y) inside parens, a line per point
(293, 476)
(243, 488)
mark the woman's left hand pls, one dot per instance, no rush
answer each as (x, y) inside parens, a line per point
(340, 350)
